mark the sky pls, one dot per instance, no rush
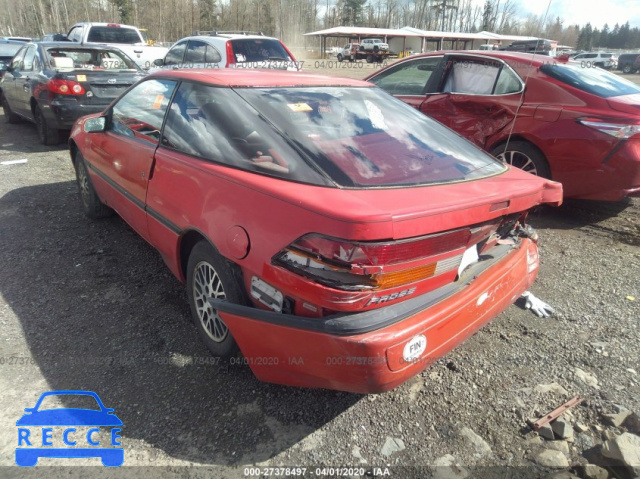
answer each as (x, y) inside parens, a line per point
(581, 12)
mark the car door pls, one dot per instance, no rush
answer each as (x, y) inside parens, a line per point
(23, 89)
(407, 80)
(122, 156)
(476, 96)
(12, 78)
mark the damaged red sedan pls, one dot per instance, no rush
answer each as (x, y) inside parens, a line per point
(564, 120)
(332, 234)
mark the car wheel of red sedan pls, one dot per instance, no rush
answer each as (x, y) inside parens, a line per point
(48, 135)
(209, 275)
(9, 115)
(91, 204)
(525, 156)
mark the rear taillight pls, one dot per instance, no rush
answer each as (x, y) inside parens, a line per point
(615, 128)
(231, 59)
(65, 87)
(354, 265)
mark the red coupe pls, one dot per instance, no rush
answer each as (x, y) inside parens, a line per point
(568, 121)
(334, 235)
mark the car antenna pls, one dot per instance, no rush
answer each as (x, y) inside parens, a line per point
(515, 117)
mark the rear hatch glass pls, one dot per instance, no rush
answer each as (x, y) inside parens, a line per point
(127, 36)
(259, 52)
(363, 137)
(592, 80)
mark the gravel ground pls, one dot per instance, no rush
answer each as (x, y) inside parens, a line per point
(89, 305)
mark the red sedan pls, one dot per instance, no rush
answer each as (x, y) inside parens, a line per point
(332, 234)
(567, 121)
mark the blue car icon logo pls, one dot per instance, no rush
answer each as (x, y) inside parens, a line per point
(36, 432)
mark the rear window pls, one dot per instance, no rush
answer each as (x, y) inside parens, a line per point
(105, 34)
(592, 80)
(363, 137)
(258, 50)
(88, 59)
(9, 49)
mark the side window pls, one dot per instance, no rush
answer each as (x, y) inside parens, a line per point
(176, 54)
(471, 77)
(508, 82)
(212, 55)
(139, 114)
(75, 35)
(16, 63)
(195, 52)
(29, 58)
(408, 78)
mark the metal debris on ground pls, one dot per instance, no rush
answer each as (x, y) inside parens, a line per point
(556, 413)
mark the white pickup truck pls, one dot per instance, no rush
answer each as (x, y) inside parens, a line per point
(125, 37)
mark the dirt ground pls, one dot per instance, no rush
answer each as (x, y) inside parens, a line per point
(89, 305)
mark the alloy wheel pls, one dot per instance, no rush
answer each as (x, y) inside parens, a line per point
(207, 284)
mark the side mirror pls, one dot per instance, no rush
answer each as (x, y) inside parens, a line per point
(158, 62)
(94, 125)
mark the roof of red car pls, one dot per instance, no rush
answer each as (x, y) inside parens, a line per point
(240, 77)
(528, 58)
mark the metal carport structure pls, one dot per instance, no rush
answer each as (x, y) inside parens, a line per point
(358, 33)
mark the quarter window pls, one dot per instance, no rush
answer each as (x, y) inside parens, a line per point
(139, 114)
(16, 63)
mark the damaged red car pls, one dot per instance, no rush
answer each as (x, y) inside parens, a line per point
(330, 233)
(564, 120)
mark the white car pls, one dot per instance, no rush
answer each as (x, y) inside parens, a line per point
(125, 37)
(229, 50)
(373, 45)
(598, 59)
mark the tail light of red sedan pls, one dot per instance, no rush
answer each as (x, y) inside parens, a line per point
(617, 128)
(356, 265)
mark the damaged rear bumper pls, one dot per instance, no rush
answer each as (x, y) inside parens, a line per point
(377, 350)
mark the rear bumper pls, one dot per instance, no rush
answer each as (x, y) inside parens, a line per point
(618, 176)
(63, 114)
(365, 352)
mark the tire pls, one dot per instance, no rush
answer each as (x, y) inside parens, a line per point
(625, 69)
(376, 49)
(211, 275)
(91, 204)
(9, 115)
(369, 58)
(48, 135)
(361, 48)
(525, 156)
(340, 57)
